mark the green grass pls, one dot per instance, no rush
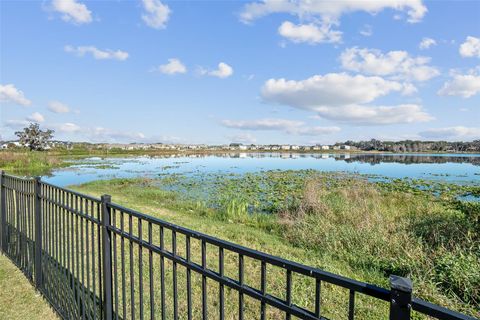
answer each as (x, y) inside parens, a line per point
(29, 162)
(339, 223)
(18, 299)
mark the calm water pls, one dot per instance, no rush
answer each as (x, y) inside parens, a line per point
(463, 169)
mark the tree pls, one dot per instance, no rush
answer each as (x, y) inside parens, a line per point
(34, 138)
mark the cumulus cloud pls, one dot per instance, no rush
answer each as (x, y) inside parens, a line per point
(375, 115)
(223, 71)
(72, 11)
(172, 67)
(323, 15)
(426, 43)
(10, 94)
(451, 132)
(331, 10)
(470, 48)
(462, 85)
(97, 53)
(58, 107)
(398, 64)
(36, 117)
(332, 89)
(156, 14)
(342, 97)
(287, 126)
(310, 33)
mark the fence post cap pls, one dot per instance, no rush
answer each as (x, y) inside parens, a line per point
(106, 198)
(401, 284)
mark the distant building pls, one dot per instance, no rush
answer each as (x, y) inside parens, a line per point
(325, 147)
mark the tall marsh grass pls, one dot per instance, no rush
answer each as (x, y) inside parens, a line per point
(28, 162)
(342, 223)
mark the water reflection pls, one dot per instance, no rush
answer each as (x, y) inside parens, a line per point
(443, 167)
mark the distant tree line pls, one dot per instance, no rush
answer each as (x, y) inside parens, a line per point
(416, 146)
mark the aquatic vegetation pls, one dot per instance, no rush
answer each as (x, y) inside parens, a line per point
(415, 228)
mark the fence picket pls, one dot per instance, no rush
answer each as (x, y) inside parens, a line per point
(63, 241)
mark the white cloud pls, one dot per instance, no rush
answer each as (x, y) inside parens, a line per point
(310, 33)
(342, 97)
(398, 64)
(97, 134)
(246, 138)
(325, 14)
(97, 53)
(287, 126)
(313, 131)
(67, 127)
(470, 48)
(426, 43)
(172, 67)
(451, 132)
(36, 117)
(8, 93)
(58, 107)
(463, 85)
(108, 135)
(261, 124)
(223, 71)
(156, 14)
(15, 124)
(72, 11)
(332, 89)
(367, 31)
(331, 10)
(375, 115)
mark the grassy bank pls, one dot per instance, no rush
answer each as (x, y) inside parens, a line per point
(18, 299)
(341, 223)
(29, 162)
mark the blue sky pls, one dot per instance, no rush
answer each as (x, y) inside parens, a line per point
(212, 72)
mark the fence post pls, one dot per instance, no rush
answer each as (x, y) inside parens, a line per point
(400, 298)
(3, 215)
(107, 258)
(38, 233)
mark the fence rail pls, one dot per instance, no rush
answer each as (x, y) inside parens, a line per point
(94, 259)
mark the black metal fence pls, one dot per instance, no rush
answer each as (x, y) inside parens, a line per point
(93, 259)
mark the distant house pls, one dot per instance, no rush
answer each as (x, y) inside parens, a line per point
(325, 147)
(345, 147)
(285, 147)
(294, 147)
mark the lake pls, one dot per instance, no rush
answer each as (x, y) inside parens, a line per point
(455, 168)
